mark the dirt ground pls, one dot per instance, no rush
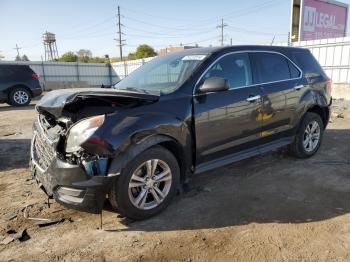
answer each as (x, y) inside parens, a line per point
(269, 208)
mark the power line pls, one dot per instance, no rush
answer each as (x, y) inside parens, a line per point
(248, 31)
(236, 13)
(222, 26)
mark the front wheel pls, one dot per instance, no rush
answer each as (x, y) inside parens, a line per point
(309, 136)
(147, 184)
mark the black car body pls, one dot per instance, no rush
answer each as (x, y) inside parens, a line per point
(18, 84)
(212, 118)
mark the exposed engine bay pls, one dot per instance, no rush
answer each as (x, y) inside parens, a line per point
(56, 121)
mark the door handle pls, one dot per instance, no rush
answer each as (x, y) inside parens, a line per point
(297, 88)
(253, 98)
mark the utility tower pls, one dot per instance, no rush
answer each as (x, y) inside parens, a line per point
(120, 41)
(17, 49)
(222, 26)
(50, 46)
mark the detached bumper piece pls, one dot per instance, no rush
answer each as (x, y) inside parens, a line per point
(68, 184)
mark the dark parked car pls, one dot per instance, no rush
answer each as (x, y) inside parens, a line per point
(18, 84)
(180, 114)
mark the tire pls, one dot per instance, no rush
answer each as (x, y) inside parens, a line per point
(302, 147)
(19, 96)
(125, 200)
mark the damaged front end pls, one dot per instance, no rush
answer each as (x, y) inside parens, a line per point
(69, 158)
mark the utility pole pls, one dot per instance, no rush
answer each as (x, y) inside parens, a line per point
(17, 48)
(273, 40)
(120, 40)
(222, 31)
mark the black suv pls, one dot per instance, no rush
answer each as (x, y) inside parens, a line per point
(18, 84)
(180, 114)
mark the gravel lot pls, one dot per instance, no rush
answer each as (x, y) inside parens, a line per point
(269, 208)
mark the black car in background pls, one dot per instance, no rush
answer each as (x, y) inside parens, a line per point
(18, 84)
(180, 114)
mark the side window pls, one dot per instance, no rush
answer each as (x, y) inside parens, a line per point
(270, 67)
(294, 72)
(234, 68)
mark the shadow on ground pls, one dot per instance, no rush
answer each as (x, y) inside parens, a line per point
(5, 108)
(274, 188)
(14, 153)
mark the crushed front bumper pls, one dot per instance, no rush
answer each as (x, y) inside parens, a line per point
(69, 184)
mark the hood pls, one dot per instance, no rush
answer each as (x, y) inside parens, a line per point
(54, 101)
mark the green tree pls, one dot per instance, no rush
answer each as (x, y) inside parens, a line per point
(99, 60)
(68, 57)
(142, 51)
(25, 58)
(18, 58)
(84, 55)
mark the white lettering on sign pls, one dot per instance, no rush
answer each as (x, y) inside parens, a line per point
(314, 19)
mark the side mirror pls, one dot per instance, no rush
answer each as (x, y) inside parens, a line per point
(214, 84)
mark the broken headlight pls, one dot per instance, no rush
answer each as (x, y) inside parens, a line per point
(82, 131)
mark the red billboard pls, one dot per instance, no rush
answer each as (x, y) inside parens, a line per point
(319, 19)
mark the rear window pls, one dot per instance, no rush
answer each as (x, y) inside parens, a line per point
(23, 69)
(271, 67)
(308, 64)
(6, 71)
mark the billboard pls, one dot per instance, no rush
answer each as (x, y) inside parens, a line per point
(318, 19)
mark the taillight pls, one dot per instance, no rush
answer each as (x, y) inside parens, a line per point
(36, 76)
(329, 86)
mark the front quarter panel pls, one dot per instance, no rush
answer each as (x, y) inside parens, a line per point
(171, 118)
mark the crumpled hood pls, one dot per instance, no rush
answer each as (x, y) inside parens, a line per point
(54, 101)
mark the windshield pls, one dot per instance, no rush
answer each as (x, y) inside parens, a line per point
(163, 74)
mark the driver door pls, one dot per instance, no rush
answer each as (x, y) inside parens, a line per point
(227, 122)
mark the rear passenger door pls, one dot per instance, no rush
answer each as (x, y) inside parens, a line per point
(281, 82)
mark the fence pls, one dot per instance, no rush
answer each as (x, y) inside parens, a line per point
(93, 74)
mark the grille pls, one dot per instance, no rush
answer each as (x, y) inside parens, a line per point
(43, 151)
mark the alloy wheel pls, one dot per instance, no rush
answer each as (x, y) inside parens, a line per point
(311, 136)
(20, 97)
(150, 184)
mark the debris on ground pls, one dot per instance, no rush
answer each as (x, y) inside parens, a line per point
(10, 216)
(42, 222)
(13, 235)
(48, 222)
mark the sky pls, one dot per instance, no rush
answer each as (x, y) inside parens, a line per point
(88, 24)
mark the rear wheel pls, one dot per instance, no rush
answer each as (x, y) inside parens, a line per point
(309, 136)
(19, 96)
(147, 184)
